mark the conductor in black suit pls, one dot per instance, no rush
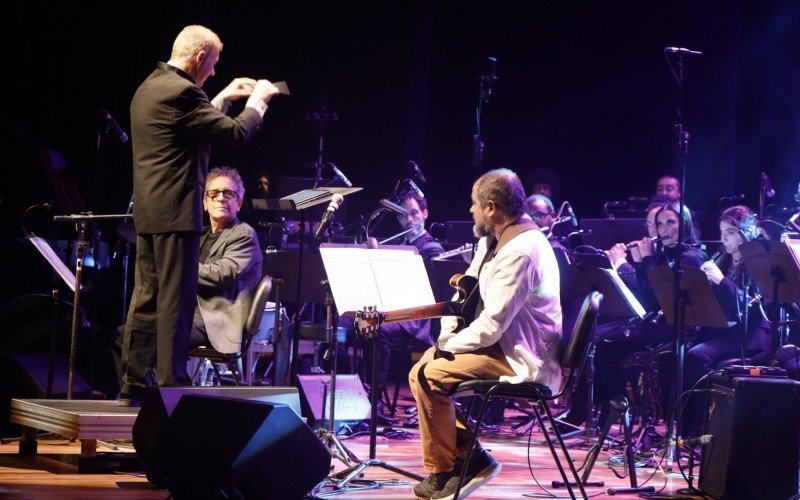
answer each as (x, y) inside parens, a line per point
(173, 127)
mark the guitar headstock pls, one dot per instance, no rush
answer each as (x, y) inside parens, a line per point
(368, 321)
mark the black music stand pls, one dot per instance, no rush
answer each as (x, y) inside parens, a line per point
(81, 223)
(775, 271)
(283, 266)
(300, 202)
(580, 279)
(697, 307)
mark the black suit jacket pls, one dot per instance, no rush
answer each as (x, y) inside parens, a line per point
(173, 126)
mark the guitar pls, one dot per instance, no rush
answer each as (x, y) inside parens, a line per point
(369, 320)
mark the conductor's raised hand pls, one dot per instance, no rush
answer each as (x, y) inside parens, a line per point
(238, 88)
(265, 90)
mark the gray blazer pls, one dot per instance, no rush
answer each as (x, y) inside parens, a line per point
(227, 283)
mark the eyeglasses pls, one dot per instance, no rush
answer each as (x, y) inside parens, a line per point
(226, 194)
(539, 215)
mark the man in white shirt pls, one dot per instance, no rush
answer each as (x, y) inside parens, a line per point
(514, 336)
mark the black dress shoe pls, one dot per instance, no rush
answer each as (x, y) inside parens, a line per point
(133, 399)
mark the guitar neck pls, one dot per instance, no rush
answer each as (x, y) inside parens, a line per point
(423, 312)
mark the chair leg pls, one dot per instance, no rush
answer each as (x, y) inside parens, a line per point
(395, 397)
(549, 442)
(475, 432)
(564, 450)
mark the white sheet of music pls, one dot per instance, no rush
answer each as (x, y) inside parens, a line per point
(388, 279)
(47, 252)
(794, 249)
(626, 292)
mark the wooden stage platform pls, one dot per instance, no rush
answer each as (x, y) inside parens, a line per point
(53, 472)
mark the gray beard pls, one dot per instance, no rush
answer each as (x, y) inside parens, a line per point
(479, 232)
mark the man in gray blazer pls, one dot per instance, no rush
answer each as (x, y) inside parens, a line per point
(230, 266)
(173, 125)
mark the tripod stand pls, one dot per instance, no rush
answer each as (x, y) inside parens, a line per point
(328, 436)
(348, 475)
(696, 306)
(358, 467)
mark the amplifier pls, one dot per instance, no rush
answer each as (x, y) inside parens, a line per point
(754, 450)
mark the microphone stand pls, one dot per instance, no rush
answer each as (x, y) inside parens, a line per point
(673, 423)
(322, 116)
(485, 92)
(81, 223)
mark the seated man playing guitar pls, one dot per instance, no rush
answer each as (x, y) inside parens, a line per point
(514, 333)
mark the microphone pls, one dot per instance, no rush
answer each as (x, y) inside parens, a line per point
(417, 171)
(701, 440)
(413, 186)
(393, 207)
(767, 186)
(681, 50)
(616, 204)
(338, 173)
(572, 215)
(121, 135)
(326, 217)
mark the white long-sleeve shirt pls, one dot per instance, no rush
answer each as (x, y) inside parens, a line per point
(520, 289)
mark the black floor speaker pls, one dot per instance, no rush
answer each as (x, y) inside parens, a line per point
(160, 403)
(215, 447)
(754, 450)
(351, 402)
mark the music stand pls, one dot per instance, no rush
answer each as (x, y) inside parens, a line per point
(773, 266)
(283, 266)
(697, 307)
(300, 202)
(338, 268)
(578, 280)
(81, 223)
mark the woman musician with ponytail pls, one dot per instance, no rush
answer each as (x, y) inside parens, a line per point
(749, 336)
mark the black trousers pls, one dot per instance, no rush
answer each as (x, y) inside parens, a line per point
(159, 321)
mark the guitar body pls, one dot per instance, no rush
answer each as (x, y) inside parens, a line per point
(369, 320)
(468, 295)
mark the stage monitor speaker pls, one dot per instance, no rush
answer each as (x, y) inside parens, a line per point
(352, 403)
(159, 403)
(26, 377)
(216, 447)
(754, 450)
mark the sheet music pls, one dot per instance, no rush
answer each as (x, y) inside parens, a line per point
(794, 249)
(47, 252)
(626, 292)
(388, 279)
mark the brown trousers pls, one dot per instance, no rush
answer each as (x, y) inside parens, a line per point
(443, 435)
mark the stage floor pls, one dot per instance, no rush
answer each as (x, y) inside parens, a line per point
(53, 472)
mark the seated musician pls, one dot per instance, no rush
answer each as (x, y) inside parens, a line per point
(514, 334)
(422, 330)
(729, 277)
(230, 266)
(230, 269)
(610, 379)
(541, 210)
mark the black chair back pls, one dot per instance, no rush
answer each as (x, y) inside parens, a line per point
(253, 321)
(581, 332)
